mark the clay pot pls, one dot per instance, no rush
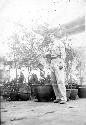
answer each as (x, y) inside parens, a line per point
(82, 91)
(44, 93)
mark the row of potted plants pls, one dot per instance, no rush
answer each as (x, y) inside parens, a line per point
(43, 90)
(14, 91)
(40, 89)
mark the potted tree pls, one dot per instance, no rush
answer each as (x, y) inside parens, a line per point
(44, 92)
(14, 89)
(72, 87)
(24, 92)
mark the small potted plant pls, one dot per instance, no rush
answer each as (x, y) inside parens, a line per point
(14, 89)
(5, 91)
(33, 83)
(24, 92)
(10, 91)
(72, 87)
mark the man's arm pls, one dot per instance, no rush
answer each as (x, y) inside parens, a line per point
(62, 51)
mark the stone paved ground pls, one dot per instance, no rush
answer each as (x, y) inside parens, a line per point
(43, 113)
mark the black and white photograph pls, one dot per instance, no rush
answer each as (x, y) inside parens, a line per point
(42, 62)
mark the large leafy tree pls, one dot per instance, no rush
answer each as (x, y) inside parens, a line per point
(28, 47)
(25, 49)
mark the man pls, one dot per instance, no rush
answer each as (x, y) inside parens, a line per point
(56, 63)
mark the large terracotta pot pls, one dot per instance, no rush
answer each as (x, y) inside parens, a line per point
(82, 91)
(44, 93)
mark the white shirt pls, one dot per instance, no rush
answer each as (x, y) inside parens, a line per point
(58, 48)
(56, 63)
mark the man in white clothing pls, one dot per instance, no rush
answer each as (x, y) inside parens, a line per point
(55, 60)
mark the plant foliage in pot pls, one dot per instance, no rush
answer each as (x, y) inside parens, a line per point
(72, 87)
(33, 83)
(24, 92)
(10, 90)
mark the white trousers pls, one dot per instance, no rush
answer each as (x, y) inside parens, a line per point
(57, 81)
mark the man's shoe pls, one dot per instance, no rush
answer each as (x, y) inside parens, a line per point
(57, 100)
(35, 100)
(62, 102)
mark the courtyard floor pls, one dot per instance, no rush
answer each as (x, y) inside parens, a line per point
(43, 113)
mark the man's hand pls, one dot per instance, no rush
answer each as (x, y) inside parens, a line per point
(60, 67)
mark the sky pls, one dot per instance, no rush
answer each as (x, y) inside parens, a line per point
(31, 13)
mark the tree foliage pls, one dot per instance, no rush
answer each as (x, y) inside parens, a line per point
(25, 49)
(28, 47)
